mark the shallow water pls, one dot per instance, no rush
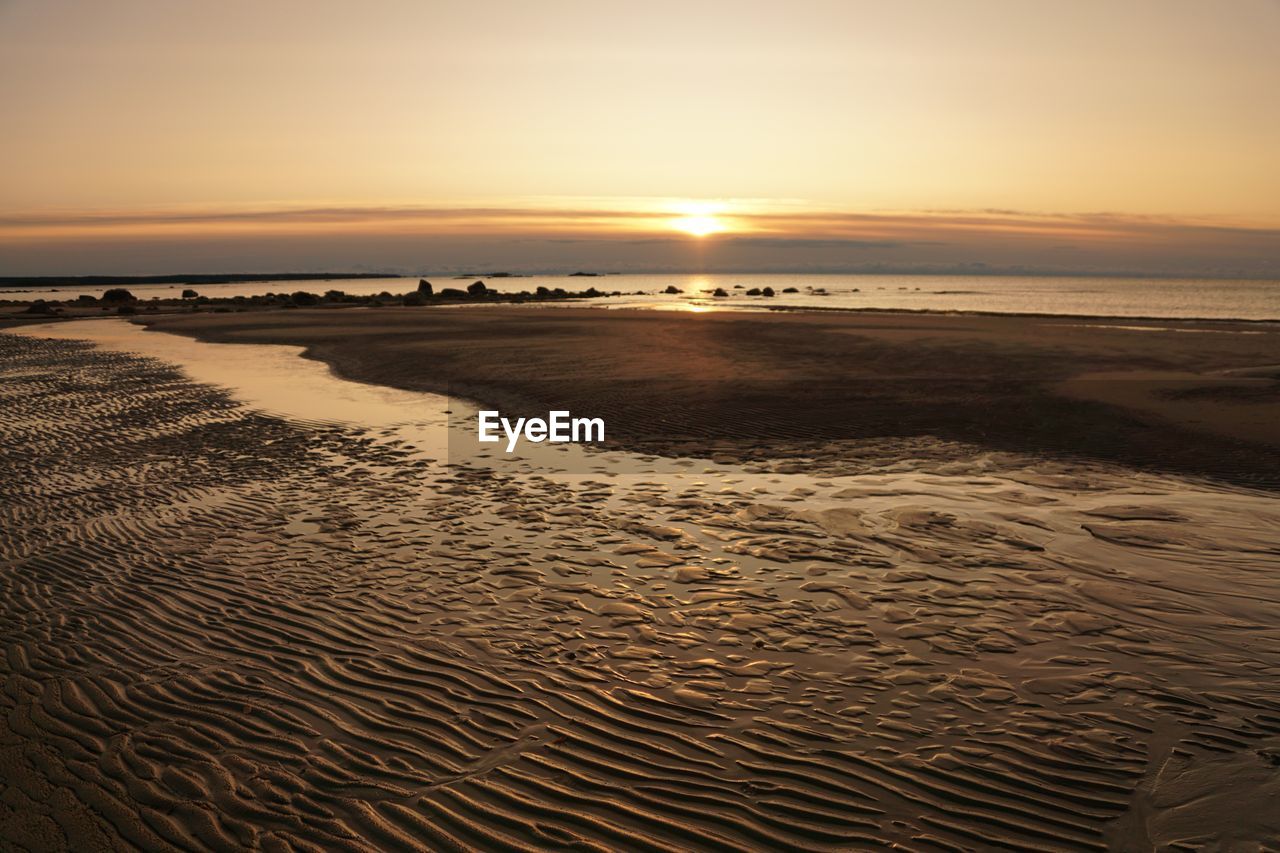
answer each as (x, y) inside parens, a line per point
(637, 651)
(1081, 296)
(273, 379)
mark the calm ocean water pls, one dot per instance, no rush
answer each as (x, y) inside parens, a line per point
(1097, 297)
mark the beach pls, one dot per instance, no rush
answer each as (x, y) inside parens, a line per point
(836, 581)
(639, 428)
(789, 383)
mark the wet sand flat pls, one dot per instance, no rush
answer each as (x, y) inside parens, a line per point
(225, 629)
(757, 383)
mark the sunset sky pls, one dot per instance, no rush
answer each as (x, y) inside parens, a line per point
(157, 137)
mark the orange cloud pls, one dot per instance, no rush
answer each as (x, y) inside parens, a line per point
(619, 220)
(649, 234)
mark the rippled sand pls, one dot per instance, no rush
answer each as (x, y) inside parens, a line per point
(228, 629)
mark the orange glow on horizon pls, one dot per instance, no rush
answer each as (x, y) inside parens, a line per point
(699, 218)
(699, 226)
(568, 220)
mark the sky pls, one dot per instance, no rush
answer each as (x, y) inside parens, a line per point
(151, 136)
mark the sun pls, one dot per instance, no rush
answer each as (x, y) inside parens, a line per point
(700, 225)
(698, 218)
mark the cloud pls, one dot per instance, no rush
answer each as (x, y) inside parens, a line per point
(638, 234)
(813, 243)
(787, 228)
(317, 216)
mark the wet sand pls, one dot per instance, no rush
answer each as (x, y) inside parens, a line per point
(230, 629)
(1199, 398)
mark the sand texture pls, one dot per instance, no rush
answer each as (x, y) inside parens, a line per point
(227, 630)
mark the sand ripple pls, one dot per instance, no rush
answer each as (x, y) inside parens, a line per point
(223, 630)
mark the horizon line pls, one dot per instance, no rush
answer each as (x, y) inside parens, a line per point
(9, 282)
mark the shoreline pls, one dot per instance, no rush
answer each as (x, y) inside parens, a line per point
(500, 299)
(1241, 300)
(941, 312)
(1212, 420)
(787, 384)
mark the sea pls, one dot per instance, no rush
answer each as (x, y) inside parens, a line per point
(1183, 298)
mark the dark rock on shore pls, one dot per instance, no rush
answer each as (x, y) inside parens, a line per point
(117, 296)
(41, 307)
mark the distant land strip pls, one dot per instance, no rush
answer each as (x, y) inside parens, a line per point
(181, 278)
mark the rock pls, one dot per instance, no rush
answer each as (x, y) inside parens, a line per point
(477, 288)
(790, 290)
(720, 291)
(424, 287)
(755, 291)
(768, 291)
(189, 294)
(117, 296)
(672, 289)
